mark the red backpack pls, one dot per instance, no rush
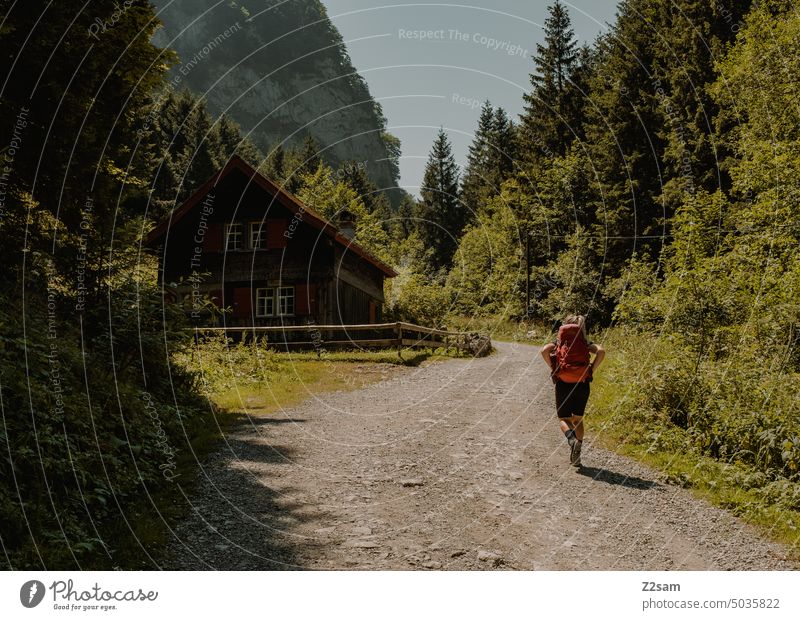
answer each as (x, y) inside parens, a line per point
(572, 355)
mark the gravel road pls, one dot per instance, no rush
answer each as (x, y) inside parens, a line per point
(453, 465)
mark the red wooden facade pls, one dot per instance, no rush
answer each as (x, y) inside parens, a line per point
(259, 252)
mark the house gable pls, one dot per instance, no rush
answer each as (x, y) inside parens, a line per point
(281, 203)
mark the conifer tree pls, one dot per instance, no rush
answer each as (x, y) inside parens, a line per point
(308, 155)
(649, 126)
(354, 174)
(476, 175)
(232, 141)
(504, 137)
(550, 117)
(306, 160)
(490, 159)
(442, 218)
(190, 147)
(274, 167)
(404, 220)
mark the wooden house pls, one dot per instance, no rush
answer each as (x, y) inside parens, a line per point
(266, 256)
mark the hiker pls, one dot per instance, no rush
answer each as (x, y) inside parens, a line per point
(569, 359)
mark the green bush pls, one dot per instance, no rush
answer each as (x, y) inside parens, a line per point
(94, 428)
(740, 411)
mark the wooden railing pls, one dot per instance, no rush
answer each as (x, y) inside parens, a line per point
(401, 335)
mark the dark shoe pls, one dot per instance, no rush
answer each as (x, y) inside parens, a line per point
(575, 454)
(571, 441)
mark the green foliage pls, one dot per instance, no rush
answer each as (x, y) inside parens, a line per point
(91, 422)
(440, 216)
(93, 426)
(414, 298)
(222, 364)
(681, 402)
(188, 147)
(572, 283)
(551, 120)
(415, 295)
(647, 121)
(324, 192)
(722, 375)
(487, 276)
(490, 159)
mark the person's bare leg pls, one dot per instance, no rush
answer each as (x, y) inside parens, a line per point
(576, 422)
(565, 424)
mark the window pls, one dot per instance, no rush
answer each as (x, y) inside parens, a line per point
(258, 235)
(265, 302)
(286, 300)
(233, 237)
(275, 301)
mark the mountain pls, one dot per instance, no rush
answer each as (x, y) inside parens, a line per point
(281, 70)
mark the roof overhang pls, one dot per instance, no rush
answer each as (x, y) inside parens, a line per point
(285, 198)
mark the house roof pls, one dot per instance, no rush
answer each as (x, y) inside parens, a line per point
(285, 198)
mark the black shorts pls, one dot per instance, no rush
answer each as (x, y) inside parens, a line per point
(571, 398)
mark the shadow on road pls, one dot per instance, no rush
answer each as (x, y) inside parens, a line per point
(612, 477)
(240, 520)
(266, 421)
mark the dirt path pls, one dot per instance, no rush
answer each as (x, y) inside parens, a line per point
(456, 465)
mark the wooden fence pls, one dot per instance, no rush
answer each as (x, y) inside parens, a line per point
(319, 337)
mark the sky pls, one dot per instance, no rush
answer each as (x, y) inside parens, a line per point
(432, 64)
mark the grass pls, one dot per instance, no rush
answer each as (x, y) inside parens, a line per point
(621, 425)
(501, 329)
(257, 380)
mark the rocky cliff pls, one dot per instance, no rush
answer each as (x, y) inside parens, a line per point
(280, 69)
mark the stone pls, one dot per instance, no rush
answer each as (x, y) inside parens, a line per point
(479, 345)
(412, 482)
(490, 557)
(362, 531)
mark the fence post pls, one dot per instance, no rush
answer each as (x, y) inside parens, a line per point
(399, 328)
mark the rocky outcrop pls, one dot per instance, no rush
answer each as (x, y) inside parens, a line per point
(280, 70)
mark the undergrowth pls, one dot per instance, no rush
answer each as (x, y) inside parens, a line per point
(729, 430)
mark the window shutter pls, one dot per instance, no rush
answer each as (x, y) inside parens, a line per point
(305, 299)
(242, 303)
(212, 241)
(275, 229)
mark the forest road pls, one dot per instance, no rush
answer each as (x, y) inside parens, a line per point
(451, 465)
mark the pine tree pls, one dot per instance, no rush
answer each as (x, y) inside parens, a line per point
(550, 117)
(476, 175)
(504, 139)
(306, 160)
(442, 218)
(190, 148)
(404, 222)
(490, 159)
(232, 141)
(648, 126)
(354, 174)
(274, 167)
(308, 155)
